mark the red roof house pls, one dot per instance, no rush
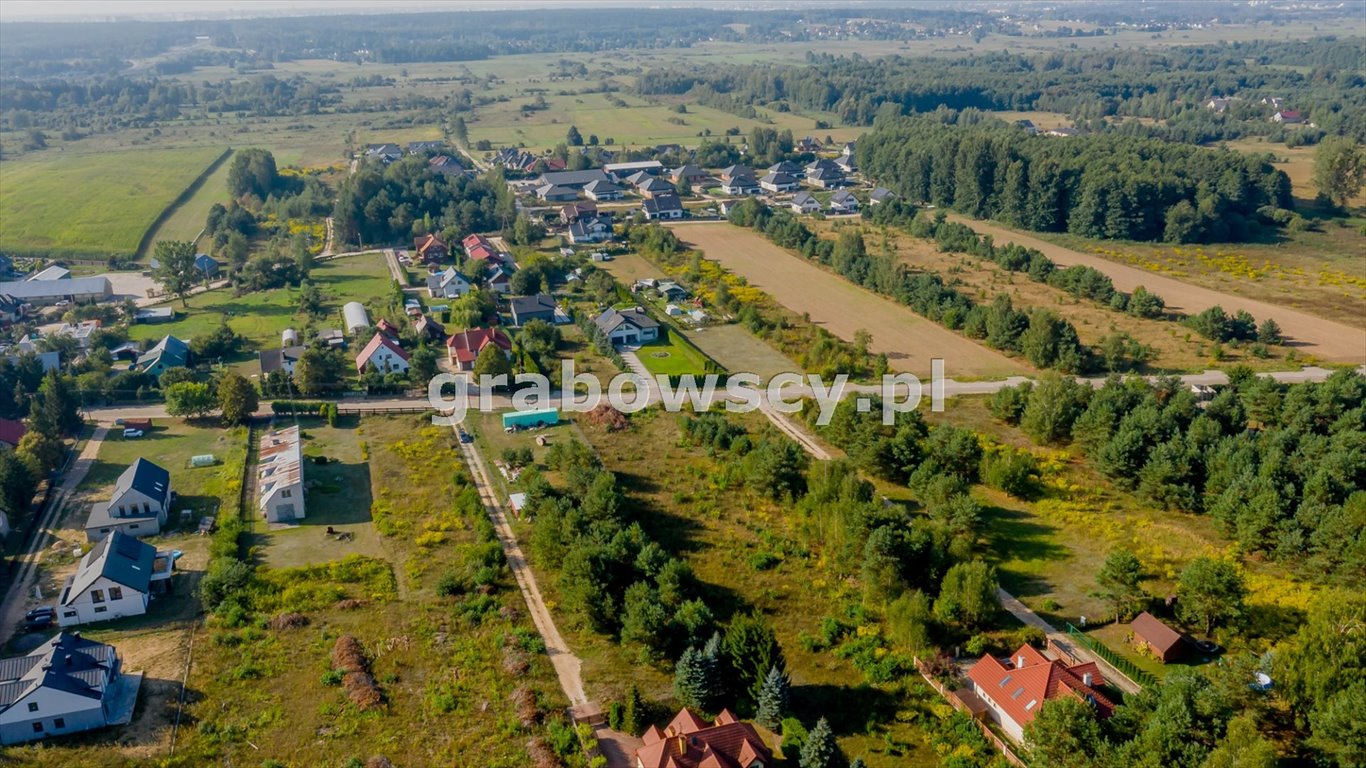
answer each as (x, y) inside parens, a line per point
(387, 328)
(1165, 643)
(12, 431)
(431, 248)
(689, 742)
(382, 354)
(1015, 689)
(464, 347)
(471, 241)
(483, 252)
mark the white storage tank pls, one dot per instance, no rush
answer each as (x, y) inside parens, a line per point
(354, 315)
(289, 338)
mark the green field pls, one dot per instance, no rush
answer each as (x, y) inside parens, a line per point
(261, 316)
(672, 355)
(91, 205)
(187, 221)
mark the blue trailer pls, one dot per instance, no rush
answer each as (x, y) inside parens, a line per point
(528, 419)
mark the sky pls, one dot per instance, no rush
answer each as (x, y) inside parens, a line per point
(98, 10)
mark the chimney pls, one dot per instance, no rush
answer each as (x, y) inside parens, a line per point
(1086, 678)
(1019, 661)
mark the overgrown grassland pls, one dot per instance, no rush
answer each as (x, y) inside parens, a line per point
(91, 205)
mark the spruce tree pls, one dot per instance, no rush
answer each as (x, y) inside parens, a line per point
(820, 749)
(773, 698)
(695, 679)
(632, 711)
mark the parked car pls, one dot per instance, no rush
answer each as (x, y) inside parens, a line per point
(129, 434)
(40, 618)
(466, 437)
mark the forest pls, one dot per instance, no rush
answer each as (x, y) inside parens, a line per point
(1101, 186)
(386, 203)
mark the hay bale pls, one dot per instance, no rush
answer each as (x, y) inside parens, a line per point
(541, 754)
(349, 604)
(288, 621)
(524, 702)
(515, 662)
(348, 655)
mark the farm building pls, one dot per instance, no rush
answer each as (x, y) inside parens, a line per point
(77, 290)
(527, 419)
(66, 685)
(353, 312)
(280, 476)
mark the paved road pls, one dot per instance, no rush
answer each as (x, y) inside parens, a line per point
(1064, 641)
(16, 599)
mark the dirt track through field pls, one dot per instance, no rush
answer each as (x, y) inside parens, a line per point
(909, 340)
(1324, 339)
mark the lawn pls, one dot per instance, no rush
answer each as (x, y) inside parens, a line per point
(338, 497)
(672, 355)
(261, 316)
(91, 205)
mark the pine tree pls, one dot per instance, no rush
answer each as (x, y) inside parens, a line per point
(820, 749)
(632, 710)
(695, 679)
(773, 698)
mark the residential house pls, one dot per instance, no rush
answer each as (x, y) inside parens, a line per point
(484, 252)
(843, 201)
(1288, 117)
(1164, 642)
(638, 178)
(655, 187)
(334, 338)
(777, 181)
(603, 190)
(574, 180)
(355, 316)
(283, 359)
(879, 195)
(77, 290)
(809, 144)
(1015, 689)
(447, 284)
(463, 348)
(114, 579)
(1275, 102)
(592, 230)
(735, 172)
(1062, 131)
(824, 174)
(688, 741)
(81, 332)
(1219, 104)
(515, 159)
(429, 329)
(687, 173)
(538, 307)
(66, 685)
(385, 153)
(280, 476)
(11, 432)
(382, 354)
(206, 265)
(741, 184)
(12, 310)
(846, 164)
(389, 329)
(423, 147)
(431, 249)
(627, 326)
(138, 506)
(498, 279)
(620, 171)
(170, 352)
(663, 207)
(446, 165)
(572, 212)
(785, 166)
(554, 194)
(805, 202)
(850, 149)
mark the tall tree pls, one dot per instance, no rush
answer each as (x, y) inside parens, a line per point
(968, 594)
(1064, 734)
(752, 650)
(1339, 169)
(773, 698)
(237, 397)
(1210, 592)
(1118, 583)
(696, 679)
(189, 399)
(175, 269)
(319, 371)
(253, 172)
(820, 749)
(57, 411)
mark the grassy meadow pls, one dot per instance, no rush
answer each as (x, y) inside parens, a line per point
(91, 205)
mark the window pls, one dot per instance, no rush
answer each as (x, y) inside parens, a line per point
(59, 723)
(97, 595)
(38, 727)
(100, 609)
(286, 493)
(116, 593)
(33, 706)
(133, 527)
(68, 614)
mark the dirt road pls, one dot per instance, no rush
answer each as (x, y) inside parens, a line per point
(909, 340)
(17, 594)
(1327, 340)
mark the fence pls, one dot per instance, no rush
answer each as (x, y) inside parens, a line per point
(957, 703)
(1135, 674)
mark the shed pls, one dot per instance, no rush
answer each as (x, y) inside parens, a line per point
(1166, 643)
(353, 312)
(527, 419)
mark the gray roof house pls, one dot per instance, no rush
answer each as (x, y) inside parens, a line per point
(573, 179)
(653, 186)
(879, 195)
(170, 352)
(138, 506)
(602, 190)
(554, 193)
(206, 264)
(663, 207)
(778, 181)
(627, 326)
(805, 202)
(283, 359)
(785, 166)
(66, 685)
(590, 230)
(538, 307)
(113, 580)
(447, 284)
(843, 201)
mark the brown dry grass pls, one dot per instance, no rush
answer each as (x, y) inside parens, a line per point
(909, 340)
(1324, 339)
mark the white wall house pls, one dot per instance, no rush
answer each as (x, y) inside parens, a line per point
(382, 354)
(628, 326)
(66, 685)
(138, 506)
(113, 581)
(280, 476)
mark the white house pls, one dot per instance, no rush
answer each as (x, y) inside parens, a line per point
(66, 685)
(778, 181)
(382, 354)
(113, 580)
(805, 202)
(843, 201)
(663, 207)
(447, 284)
(628, 326)
(138, 506)
(280, 476)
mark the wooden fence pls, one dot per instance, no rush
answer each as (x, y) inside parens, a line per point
(958, 704)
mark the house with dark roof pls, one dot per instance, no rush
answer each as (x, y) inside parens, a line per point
(447, 165)
(206, 265)
(826, 178)
(552, 193)
(385, 153)
(843, 201)
(689, 173)
(113, 580)
(428, 328)
(538, 307)
(663, 207)
(688, 741)
(1288, 117)
(447, 284)
(423, 147)
(785, 166)
(431, 249)
(621, 171)
(603, 190)
(1015, 689)
(66, 685)
(809, 144)
(739, 180)
(11, 432)
(1161, 640)
(283, 359)
(498, 279)
(590, 230)
(170, 352)
(572, 212)
(138, 505)
(654, 187)
(879, 195)
(778, 181)
(382, 354)
(629, 326)
(463, 348)
(574, 180)
(805, 202)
